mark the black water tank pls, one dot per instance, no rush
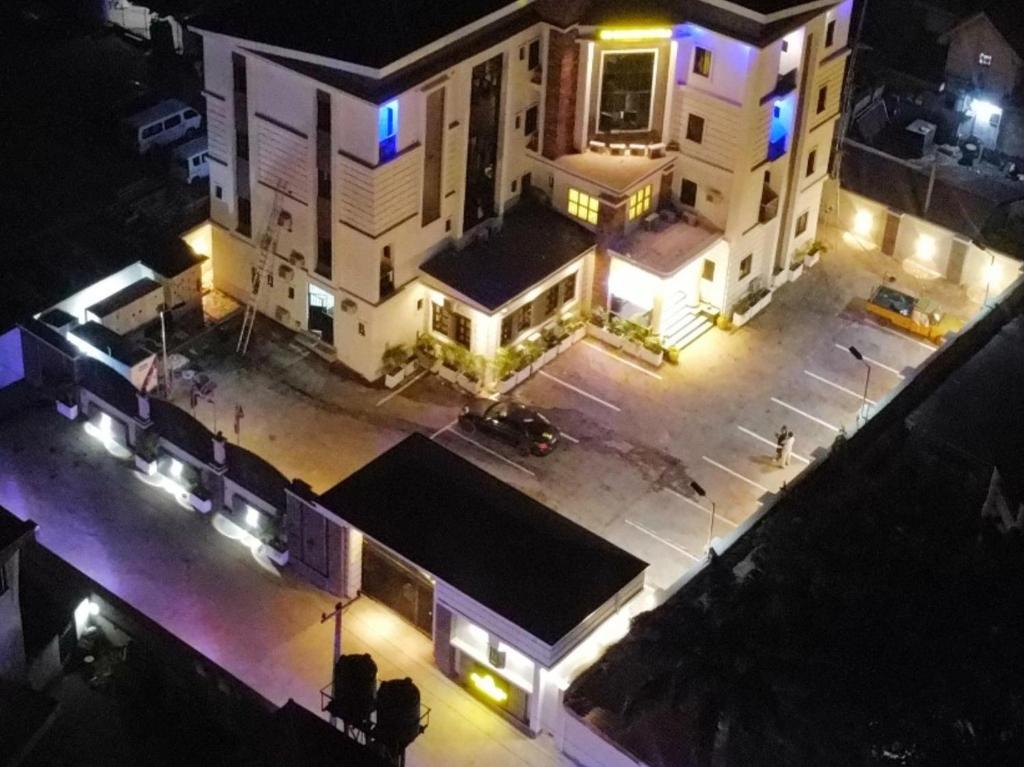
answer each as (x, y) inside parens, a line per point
(355, 686)
(398, 713)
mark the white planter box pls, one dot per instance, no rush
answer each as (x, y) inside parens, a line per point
(447, 374)
(632, 348)
(579, 334)
(473, 387)
(797, 273)
(605, 335)
(279, 558)
(780, 279)
(391, 380)
(410, 367)
(654, 359)
(202, 505)
(523, 374)
(565, 345)
(547, 356)
(811, 260)
(68, 411)
(146, 467)
(508, 384)
(742, 319)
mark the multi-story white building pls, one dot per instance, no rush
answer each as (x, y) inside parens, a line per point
(477, 169)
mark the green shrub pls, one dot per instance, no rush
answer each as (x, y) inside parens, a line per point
(395, 357)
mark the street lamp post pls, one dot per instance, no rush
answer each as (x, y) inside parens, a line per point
(855, 353)
(714, 510)
(324, 617)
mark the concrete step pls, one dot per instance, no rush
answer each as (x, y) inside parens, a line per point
(681, 325)
(694, 331)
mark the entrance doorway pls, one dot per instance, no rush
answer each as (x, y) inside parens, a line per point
(321, 313)
(400, 587)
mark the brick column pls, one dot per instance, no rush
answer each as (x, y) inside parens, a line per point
(665, 192)
(611, 223)
(560, 98)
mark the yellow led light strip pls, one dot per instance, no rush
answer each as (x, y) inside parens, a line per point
(485, 683)
(650, 33)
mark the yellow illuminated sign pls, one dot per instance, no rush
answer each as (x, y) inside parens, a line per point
(650, 33)
(485, 683)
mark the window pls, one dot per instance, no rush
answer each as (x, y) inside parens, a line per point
(515, 185)
(531, 121)
(3, 579)
(627, 80)
(822, 98)
(985, 59)
(534, 59)
(191, 114)
(785, 46)
(801, 223)
(506, 330)
(708, 271)
(695, 129)
(830, 34)
(745, 265)
(291, 292)
(583, 206)
(522, 53)
(640, 202)
(463, 330)
(569, 288)
(387, 130)
(451, 324)
(244, 217)
(324, 262)
(551, 300)
(702, 62)
(519, 121)
(688, 193)
(218, 192)
(362, 329)
(270, 280)
(152, 130)
(172, 122)
(447, 224)
(812, 161)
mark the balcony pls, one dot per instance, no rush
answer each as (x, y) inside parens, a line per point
(776, 147)
(769, 205)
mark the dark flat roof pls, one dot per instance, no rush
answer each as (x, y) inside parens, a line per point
(297, 737)
(371, 34)
(110, 343)
(534, 242)
(110, 385)
(256, 475)
(24, 716)
(124, 296)
(12, 530)
(493, 543)
(169, 257)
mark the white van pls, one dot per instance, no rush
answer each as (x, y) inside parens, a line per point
(190, 161)
(163, 124)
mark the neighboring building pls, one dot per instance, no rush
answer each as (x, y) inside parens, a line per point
(986, 50)
(374, 152)
(13, 535)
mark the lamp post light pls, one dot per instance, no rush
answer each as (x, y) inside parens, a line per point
(714, 509)
(855, 353)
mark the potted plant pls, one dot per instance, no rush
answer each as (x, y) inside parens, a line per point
(548, 346)
(603, 328)
(506, 369)
(532, 351)
(814, 253)
(394, 359)
(577, 329)
(652, 352)
(450, 362)
(796, 266)
(748, 306)
(558, 336)
(671, 354)
(427, 352)
(470, 375)
(635, 338)
(524, 362)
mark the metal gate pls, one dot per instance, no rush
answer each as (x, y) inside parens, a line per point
(407, 592)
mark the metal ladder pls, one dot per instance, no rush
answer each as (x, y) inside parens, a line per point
(267, 243)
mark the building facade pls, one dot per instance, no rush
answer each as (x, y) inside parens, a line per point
(691, 149)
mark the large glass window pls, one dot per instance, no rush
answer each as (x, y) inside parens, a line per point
(640, 202)
(627, 80)
(583, 206)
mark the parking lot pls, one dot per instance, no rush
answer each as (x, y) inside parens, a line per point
(635, 438)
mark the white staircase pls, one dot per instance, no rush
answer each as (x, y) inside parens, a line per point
(682, 324)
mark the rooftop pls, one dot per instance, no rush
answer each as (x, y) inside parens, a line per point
(297, 737)
(370, 34)
(665, 247)
(123, 297)
(533, 243)
(110, 343)
(493, 543)
(25, 716)
(12, 531)
(617, 173)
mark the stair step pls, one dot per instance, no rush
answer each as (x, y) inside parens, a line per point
(695, 332)
(682, 324)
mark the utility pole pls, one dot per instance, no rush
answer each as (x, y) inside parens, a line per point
(324, 617)
(163, 344)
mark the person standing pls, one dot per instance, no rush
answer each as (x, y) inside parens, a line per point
(787, 448)
(779, 439)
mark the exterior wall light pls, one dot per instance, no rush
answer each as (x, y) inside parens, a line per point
(628, 35)
(863, 221)
(252, 517)
(925, 247)
(485, 683)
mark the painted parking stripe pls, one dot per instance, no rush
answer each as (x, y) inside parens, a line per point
(897, 334)
(401, 388)
(578, 390)
(497, 455)
(739, 476)
(798, 411)
(770, 444)
(876, 363)
(571, 438)
(834, 385)
(658, 538)
(617, 358)
(444, 428)
(718, 517)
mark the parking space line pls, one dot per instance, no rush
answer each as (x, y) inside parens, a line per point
(770, 444)
(739, 476)
(571, 438)
(876, 363)
(681, 497)
(897, 334)
(617, 358)
(797, 410)
(444, 428)
(401, 388)
(658, 538)
(843, 389)
(497, 455)
(578, 390)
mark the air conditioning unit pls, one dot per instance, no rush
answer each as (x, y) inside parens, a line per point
(285, 272)
(282, 315)
(714, 196)
(348, 306)
(298, 259)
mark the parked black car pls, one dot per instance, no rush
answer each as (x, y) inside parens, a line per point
(519, 426)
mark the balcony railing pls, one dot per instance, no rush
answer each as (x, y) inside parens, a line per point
(769, 205)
